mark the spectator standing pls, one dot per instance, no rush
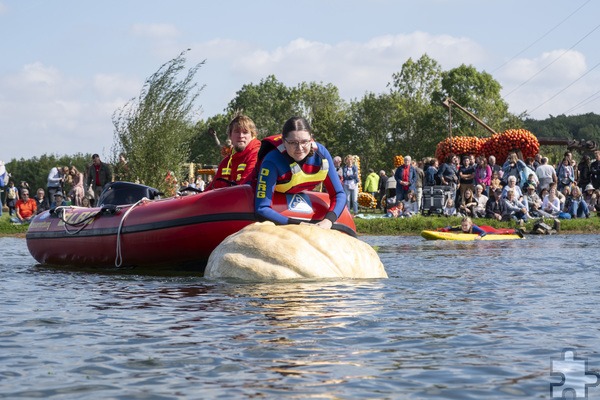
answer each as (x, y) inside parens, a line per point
(466, 175)
(447, 173)
(350, 182)
(494, 167)
(420, 179)
(406, 179)
(77, 192)
(595, 170)
(565, 173)
(4, 178)
(99, 175)
(54, 182)
(584, 172)
(545, 173)
(514, 167)
(483, 174)
(431, 178)
(337, 163)
(372, 183)
(12, 196)
(381, 189)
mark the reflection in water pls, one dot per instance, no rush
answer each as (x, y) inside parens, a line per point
(454, 320)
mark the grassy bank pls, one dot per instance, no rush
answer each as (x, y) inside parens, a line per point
(396, 226)
(416, 224)
(8, 229)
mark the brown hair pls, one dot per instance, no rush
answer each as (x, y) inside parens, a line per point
(244, 123)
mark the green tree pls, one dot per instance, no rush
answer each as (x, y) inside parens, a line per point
(368, 132)
(204, 148)
(479, 93)
(269, 103)
(322, 105)
(155, 130)
(35, 170)
(418, 124)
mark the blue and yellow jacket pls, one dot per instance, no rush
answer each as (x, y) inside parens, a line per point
(279, 172)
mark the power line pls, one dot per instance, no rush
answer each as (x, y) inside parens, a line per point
(584, 102)
(541, 37)
(565, 88)
(552, 62)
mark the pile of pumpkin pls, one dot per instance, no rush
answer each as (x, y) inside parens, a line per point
(364, 199)
(367, 200)
(499, 145)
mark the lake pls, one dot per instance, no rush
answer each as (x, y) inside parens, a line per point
(455, 320)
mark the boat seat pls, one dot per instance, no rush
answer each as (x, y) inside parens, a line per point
(122, 193)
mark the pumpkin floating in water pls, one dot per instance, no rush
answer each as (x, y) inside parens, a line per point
(264, 251)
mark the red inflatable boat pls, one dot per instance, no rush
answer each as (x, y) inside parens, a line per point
(173, 232)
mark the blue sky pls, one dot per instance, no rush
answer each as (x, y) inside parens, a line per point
(67, 65)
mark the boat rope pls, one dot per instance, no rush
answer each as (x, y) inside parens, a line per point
(119, 255)
(59, 211)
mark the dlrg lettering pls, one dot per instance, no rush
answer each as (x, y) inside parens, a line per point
(261, 188)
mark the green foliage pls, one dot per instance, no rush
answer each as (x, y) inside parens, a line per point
(324, 108)
(7, 228)
(203, 148)
(35, 171)
(368, 131)
(477, 92)
(577, 127)
(269, 104)
(417, 124)
(155, 130)
(418, 223)
(157, 134)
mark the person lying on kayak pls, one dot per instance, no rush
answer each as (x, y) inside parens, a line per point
(294, 163)
(467, 226)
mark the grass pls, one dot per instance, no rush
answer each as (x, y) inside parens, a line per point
(418, 223)
(7, 228)
(397, 226)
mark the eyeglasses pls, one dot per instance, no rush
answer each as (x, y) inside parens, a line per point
(296, 143)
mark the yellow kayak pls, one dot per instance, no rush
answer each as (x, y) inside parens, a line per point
(436, 235)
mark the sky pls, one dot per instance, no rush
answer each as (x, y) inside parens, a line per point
(67, 65)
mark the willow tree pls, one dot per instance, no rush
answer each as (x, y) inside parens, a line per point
(154, 130)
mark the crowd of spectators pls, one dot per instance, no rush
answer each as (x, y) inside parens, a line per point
(478, 187)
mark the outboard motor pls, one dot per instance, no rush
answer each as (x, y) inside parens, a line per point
(123, 193)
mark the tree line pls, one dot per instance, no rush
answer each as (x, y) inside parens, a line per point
(158, 131)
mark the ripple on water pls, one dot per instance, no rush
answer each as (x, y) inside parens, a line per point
(454, 320)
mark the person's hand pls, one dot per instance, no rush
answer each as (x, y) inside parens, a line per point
(325, 224)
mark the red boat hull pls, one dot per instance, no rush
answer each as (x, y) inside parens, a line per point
(173, 232)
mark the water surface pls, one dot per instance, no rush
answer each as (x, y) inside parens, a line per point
(455, 320)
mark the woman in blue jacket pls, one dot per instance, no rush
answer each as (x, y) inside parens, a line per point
(297, 163)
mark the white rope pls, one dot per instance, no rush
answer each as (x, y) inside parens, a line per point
(119, 256)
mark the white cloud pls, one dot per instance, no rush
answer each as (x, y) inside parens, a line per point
(115, 85)
(3, 8)
(354, 67)
(530, 83)
(65, 115)
(155, 31)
